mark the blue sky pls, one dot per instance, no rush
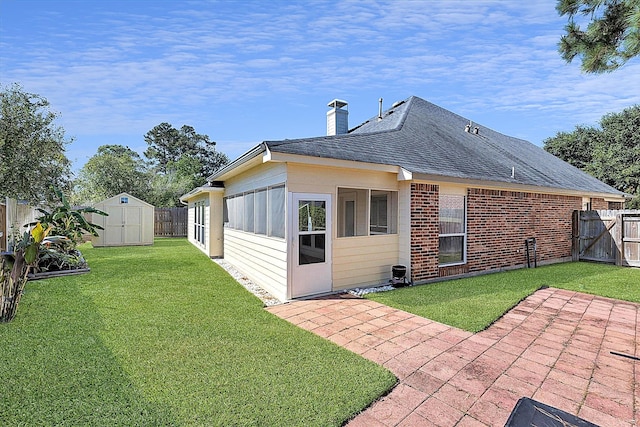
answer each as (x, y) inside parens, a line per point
(247, 71)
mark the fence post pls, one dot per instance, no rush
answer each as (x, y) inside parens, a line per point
(618, 239)
(575, 236)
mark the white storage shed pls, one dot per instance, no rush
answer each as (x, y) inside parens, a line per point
(130, 222)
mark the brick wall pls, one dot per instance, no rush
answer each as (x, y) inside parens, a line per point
(424, 231)
(498, 222)
(599, 204)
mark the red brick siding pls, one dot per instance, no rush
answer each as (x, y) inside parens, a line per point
(498, 222)
(424, 231)
(599, 205)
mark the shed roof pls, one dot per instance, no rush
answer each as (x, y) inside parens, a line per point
(117, 197)
(424, 138)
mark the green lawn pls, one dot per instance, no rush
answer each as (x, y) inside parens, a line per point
(161, 335)
(474, 303)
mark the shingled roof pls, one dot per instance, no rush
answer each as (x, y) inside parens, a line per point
(423, 138)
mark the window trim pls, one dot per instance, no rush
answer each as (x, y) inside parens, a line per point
(199, 228)
(463, 234)
(234, 218)
(345, 194)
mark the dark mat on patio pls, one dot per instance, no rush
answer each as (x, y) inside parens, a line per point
(529, 412)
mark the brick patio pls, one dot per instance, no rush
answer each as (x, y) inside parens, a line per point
(555, 347)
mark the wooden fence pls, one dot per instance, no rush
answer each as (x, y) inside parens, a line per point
(607, 236)
(3, 228)
(170, 222)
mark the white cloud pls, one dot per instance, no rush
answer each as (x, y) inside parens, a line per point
(128, 68)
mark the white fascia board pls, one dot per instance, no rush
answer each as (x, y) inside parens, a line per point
(499, 185)
(404, 175)
(266, 157)
(198, 191)
(336, 163)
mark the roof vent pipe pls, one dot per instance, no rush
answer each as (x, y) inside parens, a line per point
(380, 109)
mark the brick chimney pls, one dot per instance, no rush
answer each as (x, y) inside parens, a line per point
(337, 117)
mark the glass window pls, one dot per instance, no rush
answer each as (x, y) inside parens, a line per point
(276, 218)
(249, 212)
(312, 215)
(239, 212)
(312, 224)
(261, 211)
(198, 223)
(225, 211)
(452, 241)
(383, 217)
(367, 212)
(352, 212)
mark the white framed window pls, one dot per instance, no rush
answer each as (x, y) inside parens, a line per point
(453, 230)
(276, 218)
(260, 214)
(259, 211)
(249, 211)
(364, 212)
(198, 223)
(352, 212)
(383, 216)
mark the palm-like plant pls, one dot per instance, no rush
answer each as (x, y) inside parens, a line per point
(69, 222)
(14, 269)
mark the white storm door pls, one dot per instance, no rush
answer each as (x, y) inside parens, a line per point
(310, 244)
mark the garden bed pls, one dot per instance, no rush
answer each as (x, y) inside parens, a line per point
(57, 273)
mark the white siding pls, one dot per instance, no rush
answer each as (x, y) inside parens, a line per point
(318, 179)
(357, 261)
(263, 259)
(258, 177)
(191, 223)
(190, 220)
(363, 261)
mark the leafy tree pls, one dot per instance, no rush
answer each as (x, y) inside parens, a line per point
(167, 145)
(114, 169)
(181, 177)
(32, 147)
(611, 38)
(574, 147)
(611, 152)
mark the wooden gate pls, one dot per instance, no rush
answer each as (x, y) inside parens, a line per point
(607, 236)
(170, 222)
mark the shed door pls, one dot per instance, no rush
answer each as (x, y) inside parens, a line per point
(113, 227)
(132, 225)
(310, 244)
(124, 226)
